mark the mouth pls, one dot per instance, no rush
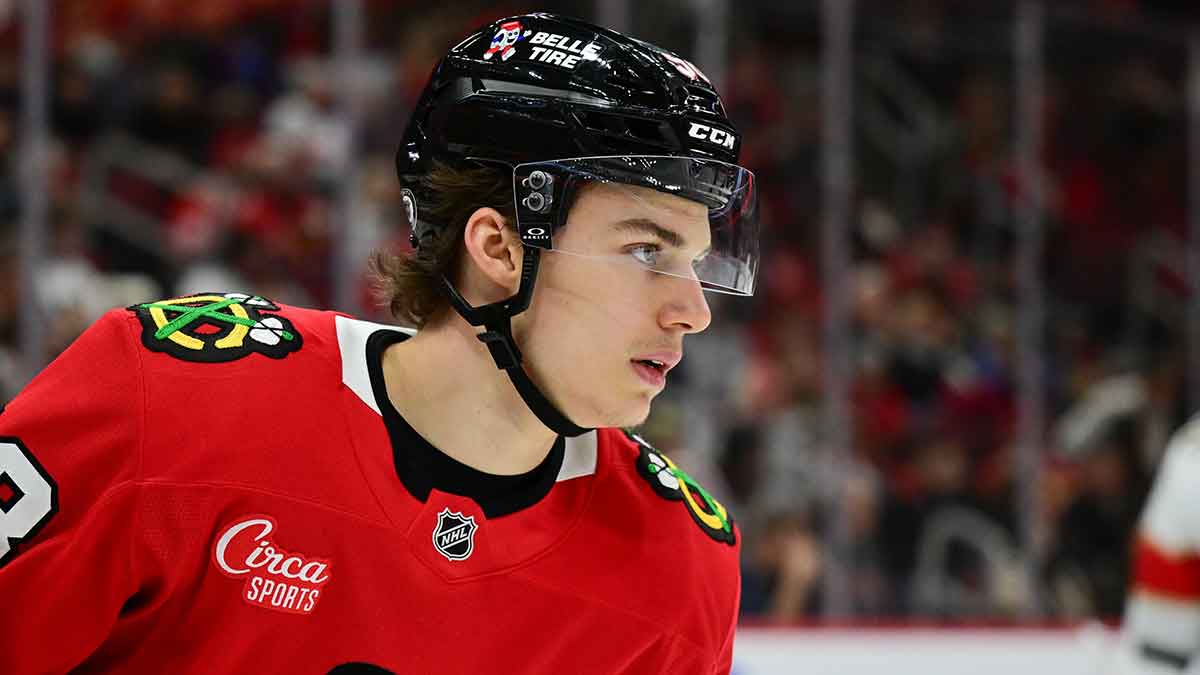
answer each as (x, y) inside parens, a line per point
(654, 375)
(653, 368)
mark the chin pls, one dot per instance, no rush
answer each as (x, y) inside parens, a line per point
(633, 415)
(627, 413)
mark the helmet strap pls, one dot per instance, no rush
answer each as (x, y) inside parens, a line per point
(496, 318)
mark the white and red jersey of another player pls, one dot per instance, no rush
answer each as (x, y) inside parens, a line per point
(1161, 628)
(219, 484)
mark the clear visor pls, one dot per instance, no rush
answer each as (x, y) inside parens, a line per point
(680, 216)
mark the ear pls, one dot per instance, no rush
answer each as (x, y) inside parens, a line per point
(494, 252)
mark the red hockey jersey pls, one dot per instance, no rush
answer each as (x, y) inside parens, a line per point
(218, 484)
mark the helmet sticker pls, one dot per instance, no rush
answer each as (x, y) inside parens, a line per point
(562, 50)
(505, 40)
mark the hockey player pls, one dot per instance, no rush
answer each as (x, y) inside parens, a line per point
(1161, 628)
(218, 483)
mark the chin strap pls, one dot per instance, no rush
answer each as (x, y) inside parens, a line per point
(496, 318)
(499, 340)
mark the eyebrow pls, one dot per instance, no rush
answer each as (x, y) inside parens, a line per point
(670, 237)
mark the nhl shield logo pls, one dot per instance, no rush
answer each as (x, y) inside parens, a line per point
(454, 536)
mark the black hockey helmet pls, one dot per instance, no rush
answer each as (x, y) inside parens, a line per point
(558, 102)
(541, 86)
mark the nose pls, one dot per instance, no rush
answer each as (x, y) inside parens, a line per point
(686, 308)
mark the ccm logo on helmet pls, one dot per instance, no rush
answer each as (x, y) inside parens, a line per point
(712, 135)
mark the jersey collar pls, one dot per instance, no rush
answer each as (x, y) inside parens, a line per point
(422, 468)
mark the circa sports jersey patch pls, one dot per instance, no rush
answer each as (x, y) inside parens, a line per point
(274, 578)
(216, 327)
(670, 482)
(454, 536)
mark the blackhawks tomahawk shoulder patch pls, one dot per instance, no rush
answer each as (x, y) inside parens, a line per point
(670, 482)
(216, 327)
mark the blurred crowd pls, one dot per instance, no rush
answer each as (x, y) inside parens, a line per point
(219, 145)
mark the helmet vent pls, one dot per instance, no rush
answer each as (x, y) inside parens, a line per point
(620, 127)
(623, 76)
(703, 99)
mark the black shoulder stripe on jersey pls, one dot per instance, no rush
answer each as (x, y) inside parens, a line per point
(216, 327)
(670, 482)
(1164, 656)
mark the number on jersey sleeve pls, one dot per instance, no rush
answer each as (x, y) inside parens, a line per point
(28, 496)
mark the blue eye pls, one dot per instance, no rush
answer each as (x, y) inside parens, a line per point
(647, 254)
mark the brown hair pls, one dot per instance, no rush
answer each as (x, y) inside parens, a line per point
(410, 283)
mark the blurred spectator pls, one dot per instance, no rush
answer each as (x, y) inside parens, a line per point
(171, 114)
(782, 569)
(304, 128)
(77, 113)
(1089, 561)
(10, 378)
(9, 181)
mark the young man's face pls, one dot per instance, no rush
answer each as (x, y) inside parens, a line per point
(599, 312)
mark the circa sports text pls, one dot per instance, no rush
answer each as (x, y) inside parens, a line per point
(288, 582)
